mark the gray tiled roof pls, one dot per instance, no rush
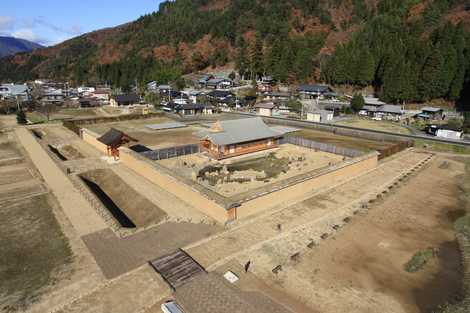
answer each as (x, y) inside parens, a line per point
(431, 109)
(314, 88)
(242, 130)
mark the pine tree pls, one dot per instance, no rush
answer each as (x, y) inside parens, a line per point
(357, 102)
(429, 84)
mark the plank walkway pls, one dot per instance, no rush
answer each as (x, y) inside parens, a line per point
(81, 215)
(177, 268)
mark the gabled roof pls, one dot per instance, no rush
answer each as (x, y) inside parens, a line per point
(238, 131)
(131, 98)
(431, 109)
(111, 137)
(191, 106)
(265, 105)
(390, 108)
(16, 89)
(215, 81)
(373, 101)
(220, 94)
(115, 137)
(205, 78)
(314, 88)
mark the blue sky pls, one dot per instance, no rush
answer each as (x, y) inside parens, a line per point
(49, 22)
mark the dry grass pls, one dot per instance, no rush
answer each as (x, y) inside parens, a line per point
(386, 126)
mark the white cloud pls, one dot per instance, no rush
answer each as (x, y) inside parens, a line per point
(30, 35)
(6, 23)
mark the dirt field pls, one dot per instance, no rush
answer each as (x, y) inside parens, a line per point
(119, 197)
(43, 260)
(153, 139)
(245, 175)
(35, 252)
(387, 126)
(361, 268)
(342, 141)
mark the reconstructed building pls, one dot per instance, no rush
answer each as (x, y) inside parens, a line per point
(228, 139)
(114, 139)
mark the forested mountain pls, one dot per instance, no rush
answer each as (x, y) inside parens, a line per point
(408, 50)
(11, 45)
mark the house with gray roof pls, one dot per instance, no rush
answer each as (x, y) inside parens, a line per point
(227, 139)
(313, 91)
(219, 83)
(15, 91)
(431, 113)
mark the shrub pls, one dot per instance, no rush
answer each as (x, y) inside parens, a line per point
(419, 260)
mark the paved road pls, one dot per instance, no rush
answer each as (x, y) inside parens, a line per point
(81, 215)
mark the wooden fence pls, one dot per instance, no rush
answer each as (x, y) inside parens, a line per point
(173, 152)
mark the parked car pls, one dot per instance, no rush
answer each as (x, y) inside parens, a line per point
(171, 307)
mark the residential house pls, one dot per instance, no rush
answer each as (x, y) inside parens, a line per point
(193, 109)
(384, 111)
(53, 96)
(267, 80)
(313, 91)
(164, 89)
(430, 113)
(85, 91)
(102, 94)
(202, 82)
(233, 138)
(219, 83)
(265, 108)
(86, 102)
(20, 92)
(221, 97)
(389, 112)
(124, 100)
(277, 96)
(152, 86)
(320, 116)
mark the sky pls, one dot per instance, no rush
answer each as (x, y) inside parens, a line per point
(49, 22)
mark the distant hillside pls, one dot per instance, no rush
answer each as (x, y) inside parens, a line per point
(11, 45)
(407, 50)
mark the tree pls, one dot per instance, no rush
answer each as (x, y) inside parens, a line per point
(180, 83)
(357, 102)
(466, 122)
(21, 117)
(295, 105)
(455, 123)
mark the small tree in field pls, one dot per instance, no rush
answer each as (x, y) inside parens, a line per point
(21, 117)
(357, 102)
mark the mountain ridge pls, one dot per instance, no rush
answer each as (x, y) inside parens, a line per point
(292, 40)
(12, 45)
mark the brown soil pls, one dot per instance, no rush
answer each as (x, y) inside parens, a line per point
(70, 153)
(136, 207)
(363, 264)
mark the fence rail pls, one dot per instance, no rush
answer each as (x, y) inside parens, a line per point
(173, 152)
(325, 147)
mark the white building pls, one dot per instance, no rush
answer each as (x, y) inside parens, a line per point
(265, 108)
(320, 116)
